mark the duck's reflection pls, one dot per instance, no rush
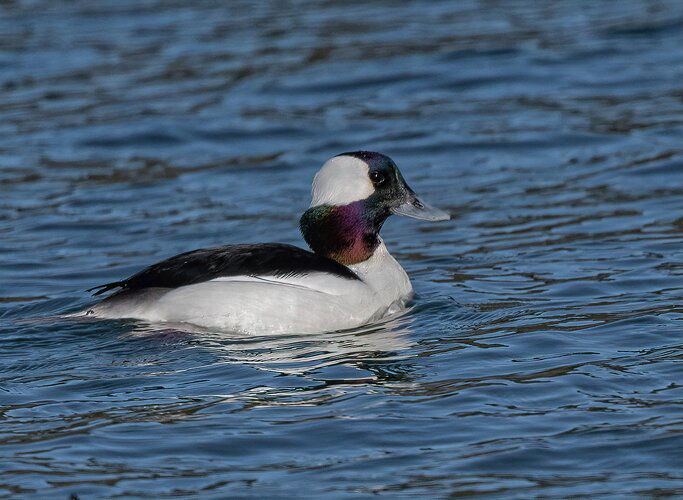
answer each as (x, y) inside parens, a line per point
(385, 341)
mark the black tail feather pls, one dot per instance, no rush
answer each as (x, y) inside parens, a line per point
(105, 288)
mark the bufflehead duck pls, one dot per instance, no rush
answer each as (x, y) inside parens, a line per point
(349, 279)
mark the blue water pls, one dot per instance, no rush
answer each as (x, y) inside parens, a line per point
(543, 355)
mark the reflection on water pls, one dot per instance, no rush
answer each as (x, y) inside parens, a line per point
(294, 354)
(543, 353)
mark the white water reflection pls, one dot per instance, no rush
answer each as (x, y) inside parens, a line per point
(387, 340)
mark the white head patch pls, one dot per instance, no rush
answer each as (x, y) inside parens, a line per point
(340, 181)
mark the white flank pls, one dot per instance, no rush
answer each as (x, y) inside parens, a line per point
(316, 302)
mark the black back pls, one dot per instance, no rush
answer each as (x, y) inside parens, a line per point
(269, 259)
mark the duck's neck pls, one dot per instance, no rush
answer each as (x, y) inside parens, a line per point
(348, 234)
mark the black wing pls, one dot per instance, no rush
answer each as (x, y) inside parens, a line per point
(274, 259)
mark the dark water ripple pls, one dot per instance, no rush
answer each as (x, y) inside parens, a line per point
(543, 354)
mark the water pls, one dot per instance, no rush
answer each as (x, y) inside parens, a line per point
(543, 355)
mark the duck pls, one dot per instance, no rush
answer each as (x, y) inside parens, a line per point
(346, 280)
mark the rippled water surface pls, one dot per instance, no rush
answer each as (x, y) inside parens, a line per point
(544, 352)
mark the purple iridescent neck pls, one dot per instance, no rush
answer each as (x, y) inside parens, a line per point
(348, 234)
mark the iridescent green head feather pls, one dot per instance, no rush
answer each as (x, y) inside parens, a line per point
(353, 194)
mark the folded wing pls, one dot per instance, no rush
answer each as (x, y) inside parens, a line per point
(197, 266)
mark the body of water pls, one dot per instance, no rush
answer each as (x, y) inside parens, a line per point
(543, 355)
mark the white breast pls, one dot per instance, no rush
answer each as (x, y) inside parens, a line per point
(385, 276)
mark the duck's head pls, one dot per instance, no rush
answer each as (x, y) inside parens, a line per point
(353, 194)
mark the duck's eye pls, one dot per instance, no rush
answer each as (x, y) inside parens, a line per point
(377, 178)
